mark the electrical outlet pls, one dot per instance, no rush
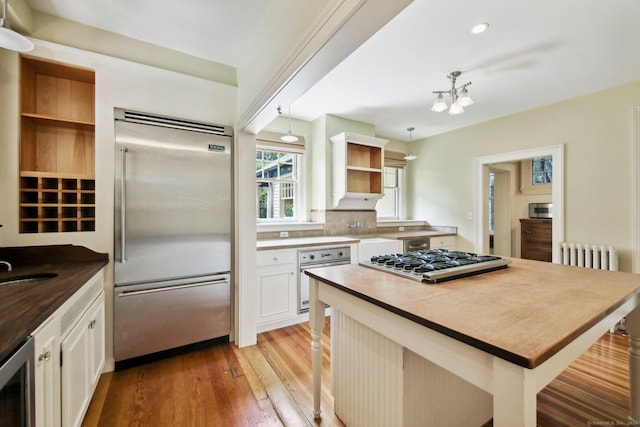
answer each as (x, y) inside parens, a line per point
(400, 228)
(284, 234)
(470, 216)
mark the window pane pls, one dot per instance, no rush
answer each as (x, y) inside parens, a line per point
(276, 184)
(541, 171)
(389, 204)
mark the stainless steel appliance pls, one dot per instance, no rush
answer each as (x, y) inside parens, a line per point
(172, 233)
(540, 210)
(313, 258)
(17, 387)
(436, 265)
(416, 244)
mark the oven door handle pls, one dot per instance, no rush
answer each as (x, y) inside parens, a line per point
(325, 264)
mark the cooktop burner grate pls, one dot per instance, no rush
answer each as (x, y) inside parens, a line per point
(436, 265)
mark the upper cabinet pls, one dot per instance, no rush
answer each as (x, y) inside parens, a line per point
(358, 162)
(57, 147)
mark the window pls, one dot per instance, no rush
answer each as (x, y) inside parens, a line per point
(277, 184)
(389, 205)
(492, 192)
(536, 175)
(541, 170)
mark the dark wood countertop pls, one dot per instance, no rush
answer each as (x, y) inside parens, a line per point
(24, 306)
(524, 314)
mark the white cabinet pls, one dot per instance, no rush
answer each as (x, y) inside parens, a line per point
(70, 354)
(443, 242)
(82, 352)
(47, 373)
(358, 162)
(277, 285)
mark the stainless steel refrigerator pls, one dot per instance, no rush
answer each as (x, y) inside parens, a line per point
(172, 243)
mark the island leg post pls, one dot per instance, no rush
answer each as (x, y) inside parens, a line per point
(316, 320)
(514, 395)
(633, 329)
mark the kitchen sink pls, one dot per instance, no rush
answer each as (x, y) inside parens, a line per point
(26, 278)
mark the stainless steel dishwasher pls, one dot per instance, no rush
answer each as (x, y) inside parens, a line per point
(313, 258)
(416, 244)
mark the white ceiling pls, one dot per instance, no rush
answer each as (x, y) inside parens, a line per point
(535, 52)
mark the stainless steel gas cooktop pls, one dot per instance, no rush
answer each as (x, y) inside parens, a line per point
(436, 265)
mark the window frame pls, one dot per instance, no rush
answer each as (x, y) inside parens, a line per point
(399, 202)
(298, 182)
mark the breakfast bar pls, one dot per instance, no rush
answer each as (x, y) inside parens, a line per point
(463, 351)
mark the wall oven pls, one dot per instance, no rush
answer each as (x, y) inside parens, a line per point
(312, 258)
(17, 387)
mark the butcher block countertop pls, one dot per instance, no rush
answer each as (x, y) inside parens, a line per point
(524, 314)
(24, 306)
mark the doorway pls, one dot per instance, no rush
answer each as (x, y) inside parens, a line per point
(484, 164)
(501, 225)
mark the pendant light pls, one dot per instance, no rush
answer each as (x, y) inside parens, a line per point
(9, 39)
(288, 137)
(410, 156)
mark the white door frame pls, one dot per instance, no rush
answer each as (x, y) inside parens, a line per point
(635, 218)
(482, 203)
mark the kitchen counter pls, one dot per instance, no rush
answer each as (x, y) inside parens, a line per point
(507, 332)
(301, 242)
(24, 306)
(406, 235)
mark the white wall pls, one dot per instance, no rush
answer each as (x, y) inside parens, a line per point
(118, 83)
(596, 130)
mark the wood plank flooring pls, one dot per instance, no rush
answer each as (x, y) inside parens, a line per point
(270, 385)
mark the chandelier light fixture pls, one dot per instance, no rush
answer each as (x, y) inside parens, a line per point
(459, 96)
(9, 39)
(410, 155)
(288, 137)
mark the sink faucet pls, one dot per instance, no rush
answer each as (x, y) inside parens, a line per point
(356, 224)
(7, 264)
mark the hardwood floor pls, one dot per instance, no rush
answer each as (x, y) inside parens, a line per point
(270, 385)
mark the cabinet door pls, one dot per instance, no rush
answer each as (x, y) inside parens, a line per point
(47, 374)
(82, 352)
(75, 373)
(278, 293)
(96, 341)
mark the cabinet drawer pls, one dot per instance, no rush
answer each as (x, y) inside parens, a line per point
(266, 258)
(445, 242)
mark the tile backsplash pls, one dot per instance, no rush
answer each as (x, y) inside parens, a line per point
(341, 223)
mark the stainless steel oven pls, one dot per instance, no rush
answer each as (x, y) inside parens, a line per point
(540, 210)
(313, 258)
(17, 387)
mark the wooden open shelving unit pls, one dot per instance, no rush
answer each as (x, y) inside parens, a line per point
(57, 147)
(358, 162)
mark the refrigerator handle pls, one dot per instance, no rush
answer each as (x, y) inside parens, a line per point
(123, 204)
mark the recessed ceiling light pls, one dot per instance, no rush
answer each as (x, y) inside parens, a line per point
(479, 28)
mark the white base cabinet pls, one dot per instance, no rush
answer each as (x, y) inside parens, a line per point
(277, 285)
(82, 353)
(47, 373)
(443, 242)
(70, 354)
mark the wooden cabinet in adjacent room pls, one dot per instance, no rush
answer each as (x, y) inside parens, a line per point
(535, 239)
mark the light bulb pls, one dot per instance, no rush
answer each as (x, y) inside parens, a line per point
(456, 109)
(464, 100)
(439, 104)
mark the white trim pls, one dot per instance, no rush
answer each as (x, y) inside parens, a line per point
(635, 185)
(482, 179)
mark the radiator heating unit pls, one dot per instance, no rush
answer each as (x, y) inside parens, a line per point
(600, 257)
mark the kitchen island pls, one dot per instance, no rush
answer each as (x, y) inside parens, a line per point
(465, 351)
